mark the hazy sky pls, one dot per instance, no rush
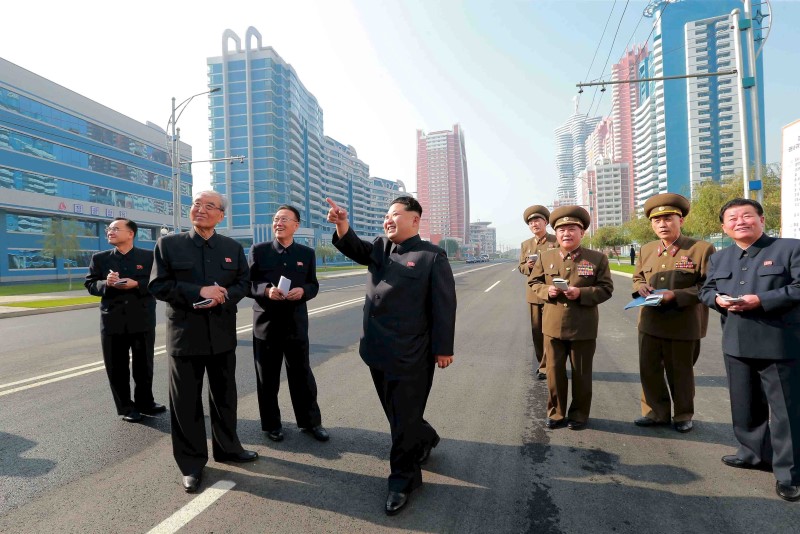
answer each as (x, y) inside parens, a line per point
(381, 69)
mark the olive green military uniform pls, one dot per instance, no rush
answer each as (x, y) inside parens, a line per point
(669, 335)
(570, 326)
(530, 246)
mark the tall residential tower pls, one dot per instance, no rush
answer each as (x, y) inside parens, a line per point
(443, 185)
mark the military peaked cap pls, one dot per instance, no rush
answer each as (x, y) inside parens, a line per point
(535, 211)
(665, 204)
(570, 215)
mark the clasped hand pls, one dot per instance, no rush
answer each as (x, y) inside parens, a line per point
(572, 293)
(296, 293)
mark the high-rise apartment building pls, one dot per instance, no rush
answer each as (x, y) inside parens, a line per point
(687, 130)
(443, 185)
(264, 112)
(571, 152)
(64, 157)
(482, 238)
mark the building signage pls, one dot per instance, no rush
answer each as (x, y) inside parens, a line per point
(790, 181)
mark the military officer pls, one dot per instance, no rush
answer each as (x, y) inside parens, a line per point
(670, 333)
(536, 217)
(570, 317)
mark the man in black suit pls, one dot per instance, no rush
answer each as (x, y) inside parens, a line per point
(408, 329)
(755, 285)
(201, 275)
(280, 325)
(127, 319)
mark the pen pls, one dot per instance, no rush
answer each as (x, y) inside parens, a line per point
(216, 284)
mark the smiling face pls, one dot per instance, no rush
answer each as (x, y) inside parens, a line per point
(119, 234)
(206, 211)
(667, 227)
(400, 224)
(569, 236)
(284, 225)
(743, 224)
(538, 226)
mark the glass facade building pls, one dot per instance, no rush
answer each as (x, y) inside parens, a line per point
(66, 157)
(266, 114)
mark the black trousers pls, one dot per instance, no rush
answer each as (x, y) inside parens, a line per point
(765, 409)
(186, 407)
(403, 399)
(116, 348)
(269, 355)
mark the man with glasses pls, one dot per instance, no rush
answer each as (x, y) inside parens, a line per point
(127, 319)
(755, 286)
(201, 275)
(280, 325)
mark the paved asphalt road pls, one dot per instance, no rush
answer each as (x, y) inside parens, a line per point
(68, 464)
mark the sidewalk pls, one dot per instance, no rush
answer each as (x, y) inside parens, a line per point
(16, 311)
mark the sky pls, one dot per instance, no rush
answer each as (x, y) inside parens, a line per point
(505, 70)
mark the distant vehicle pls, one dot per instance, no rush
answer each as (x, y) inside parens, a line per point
(484, 257)
(472, 259)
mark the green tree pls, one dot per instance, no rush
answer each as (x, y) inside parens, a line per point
(450, 246)
(609, 237)
(61, 242)
(638, 230)
(326, 252)
(710, 196)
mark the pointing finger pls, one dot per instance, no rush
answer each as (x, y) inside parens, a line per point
(332, 204)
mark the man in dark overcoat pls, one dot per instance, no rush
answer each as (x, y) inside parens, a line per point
(408, 329)
(127, 319)
(201, 275)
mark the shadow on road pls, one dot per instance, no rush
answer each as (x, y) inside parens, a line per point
(13, 464)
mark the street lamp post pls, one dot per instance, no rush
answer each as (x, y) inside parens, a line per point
(175, 156)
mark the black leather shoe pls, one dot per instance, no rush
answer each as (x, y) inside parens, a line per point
(732, 460)
(237, 457)
(156, 408)
(192, 482)
(133, 416)
(541, 376)
(683, 426)
(646, 421)
(395, 502)
(275, 435)
(319, 433)
(552, 424)
(786, 492)
(576, 425)
(426, 451)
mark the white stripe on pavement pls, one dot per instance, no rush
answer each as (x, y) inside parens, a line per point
(80, 370)
(491, 286)
(193, 508)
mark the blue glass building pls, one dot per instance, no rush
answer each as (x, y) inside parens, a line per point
(64, 156)
(265, 113)
(688, 130)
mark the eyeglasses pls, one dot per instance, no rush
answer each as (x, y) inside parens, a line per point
(114, 229)
(283, 220)
(207, 207)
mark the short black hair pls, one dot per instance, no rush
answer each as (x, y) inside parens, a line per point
(740, 202)
(290, 208)
(410, 203)
(130, 224)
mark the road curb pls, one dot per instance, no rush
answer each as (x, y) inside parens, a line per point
(38, 311)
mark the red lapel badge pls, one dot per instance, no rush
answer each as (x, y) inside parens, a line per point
(299, 263)
(767, 263)
(410, 264)
(139, 267)
(228, 260)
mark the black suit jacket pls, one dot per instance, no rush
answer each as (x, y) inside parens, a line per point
(123, 310)
(769, 268)
(182, 265)
(267, 265)
(410, 307)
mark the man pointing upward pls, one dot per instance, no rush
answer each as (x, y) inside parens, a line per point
(408, 329)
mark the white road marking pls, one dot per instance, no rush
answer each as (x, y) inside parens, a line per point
(80, 370)
(340, 288)
(193, 508)
(475, 270)
(491, 286)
